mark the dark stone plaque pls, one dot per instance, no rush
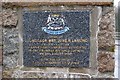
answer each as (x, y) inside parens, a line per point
(56, 38)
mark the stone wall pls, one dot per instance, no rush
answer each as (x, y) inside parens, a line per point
(106, 42)
(0, 37)
(105, 55)
(0, 42)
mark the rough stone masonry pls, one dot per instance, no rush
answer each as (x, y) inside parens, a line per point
(105, 55)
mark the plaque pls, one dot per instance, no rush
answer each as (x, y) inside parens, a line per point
(56, 38)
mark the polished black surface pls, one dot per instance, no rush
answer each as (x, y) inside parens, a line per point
(71, 48)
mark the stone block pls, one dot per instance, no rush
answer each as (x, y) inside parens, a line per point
(0, 72)
(0, 18)
(60, 1)
(9, 17)
(0, 56)
(0, 36)
(106, 41)
(10, 47)
(105, 62)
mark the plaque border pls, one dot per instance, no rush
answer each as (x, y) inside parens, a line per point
(94, 19)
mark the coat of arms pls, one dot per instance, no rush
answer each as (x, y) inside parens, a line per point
(55, 24)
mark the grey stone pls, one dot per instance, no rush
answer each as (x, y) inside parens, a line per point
(0, 36)
(0, 18)
(0, 72)
(10, 40)
(105, 75)
(10, 61)
(108, 11)
(17, 74)
(34, 74)
(10, 47)
(0, 28)
(0, 56)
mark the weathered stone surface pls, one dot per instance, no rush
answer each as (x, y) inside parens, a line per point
(108, 19)
(105, 62)
(7, 74)
(0, 35)
(10, 62)
(10, 18)
(0, 72)
(0, 42)
(59, 0)
(109, 11)
(10, 47)
(0, 27)
(106, 39)
(32, 3)
(41, 73)
(0, 18)
(10, 40)
(0, 56)
(106, 75)
(34, 74)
